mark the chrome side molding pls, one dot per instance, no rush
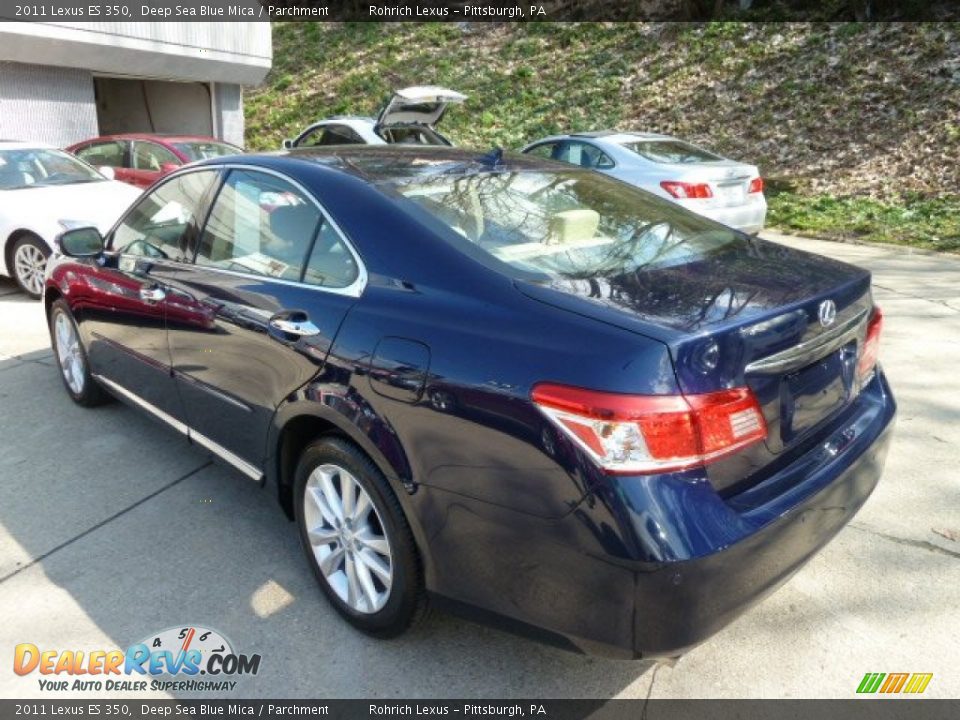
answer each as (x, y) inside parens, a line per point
(251, 471)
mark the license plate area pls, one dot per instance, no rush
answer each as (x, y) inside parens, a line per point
(731, 193)
(812, 394)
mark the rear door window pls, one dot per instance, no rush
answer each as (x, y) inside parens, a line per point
(110, 154)
(150, 156)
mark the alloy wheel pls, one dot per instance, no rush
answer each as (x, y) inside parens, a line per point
(347, 538)
(30, 264)
(72, 363)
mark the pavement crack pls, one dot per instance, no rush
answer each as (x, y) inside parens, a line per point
(919, 544)
(943, 303)
(106, 521)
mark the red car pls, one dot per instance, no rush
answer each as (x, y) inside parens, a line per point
(141, 158)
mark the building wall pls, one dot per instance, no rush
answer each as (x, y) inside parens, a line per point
(46, 104)
(228, 101)
(230, 52)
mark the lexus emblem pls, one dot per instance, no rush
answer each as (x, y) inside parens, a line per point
(827, 313)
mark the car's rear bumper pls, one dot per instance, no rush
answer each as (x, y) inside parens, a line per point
(748, 217)
(761, 536)
(653, 565)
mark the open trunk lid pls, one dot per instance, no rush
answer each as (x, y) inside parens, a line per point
(418, 105)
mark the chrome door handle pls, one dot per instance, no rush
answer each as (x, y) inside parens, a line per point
(152, 294)
(293, 327)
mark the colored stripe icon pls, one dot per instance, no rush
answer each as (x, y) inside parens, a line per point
(908, 683)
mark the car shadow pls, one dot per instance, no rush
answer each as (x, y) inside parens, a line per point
(113, 528)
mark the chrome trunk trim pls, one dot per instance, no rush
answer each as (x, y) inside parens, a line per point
(808, 352)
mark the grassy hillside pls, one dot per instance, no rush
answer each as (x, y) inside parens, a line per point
(856, 126)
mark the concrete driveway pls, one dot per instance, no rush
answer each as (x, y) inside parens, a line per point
(111, 528)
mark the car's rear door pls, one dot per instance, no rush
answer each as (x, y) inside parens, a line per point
(277, 278)
(147, 160)
(124, 301)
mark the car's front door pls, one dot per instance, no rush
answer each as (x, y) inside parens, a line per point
(277, 278)
(125, 300)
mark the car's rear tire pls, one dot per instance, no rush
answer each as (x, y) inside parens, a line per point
(357, 539)
(71, 358)
(29, 264)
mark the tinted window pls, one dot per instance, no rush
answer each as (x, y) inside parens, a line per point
(584, 155)
(202, 150)
(670, 151)
(331, 264)
(412, 135)
(545, 151)
(105, 153)
(259, 224)
(149, 156)
(164, 222)
(331, 135)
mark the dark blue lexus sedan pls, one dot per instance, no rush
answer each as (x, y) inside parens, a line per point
(494, 384)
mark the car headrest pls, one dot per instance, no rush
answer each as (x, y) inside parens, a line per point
(572, 226)
(293, 222)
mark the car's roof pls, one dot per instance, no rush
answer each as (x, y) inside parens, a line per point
(613, 136)
(388, 163)
(23, 145)
(156, 137)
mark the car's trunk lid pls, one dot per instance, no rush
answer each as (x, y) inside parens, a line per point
(747, 315)
(417, 105)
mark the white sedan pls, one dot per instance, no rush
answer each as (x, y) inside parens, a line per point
(44, 191)
(410, 117)
(727, 191)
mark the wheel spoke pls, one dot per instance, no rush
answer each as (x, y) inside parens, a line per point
(366, 584)
(348, 493)
(362, 507)
(374, 563)
(321, 535)
(331, 562)
(319, 500)
(331, 496)
(353, 587)
(377, 543)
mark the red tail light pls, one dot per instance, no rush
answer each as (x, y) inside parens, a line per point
(870, 351)
(756, 185)
(687, 190)
(653, 433)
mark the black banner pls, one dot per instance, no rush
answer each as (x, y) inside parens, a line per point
(478, 10)
(861, 709)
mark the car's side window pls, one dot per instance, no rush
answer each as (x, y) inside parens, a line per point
(331, 263)
(150, 156)
(545, 151)
(584, 155)
(165, 221)
(259, 224)
(103, 153)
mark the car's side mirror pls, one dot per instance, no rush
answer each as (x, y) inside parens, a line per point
(82, 242)
(287, 143)
(168, 167)
(107, 172)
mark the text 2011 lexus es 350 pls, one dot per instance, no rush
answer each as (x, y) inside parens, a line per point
(493, 383)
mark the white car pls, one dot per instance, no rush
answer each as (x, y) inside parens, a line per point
(409, 117)
(44, 191)
(727, 191)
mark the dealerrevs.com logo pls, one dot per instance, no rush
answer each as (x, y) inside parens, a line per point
(190, 658)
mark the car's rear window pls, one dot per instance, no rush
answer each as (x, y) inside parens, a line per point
(206, 150)
(670, 151)
(562, 224)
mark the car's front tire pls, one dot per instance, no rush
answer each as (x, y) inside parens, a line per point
(357, 539)
(72, 358)
(30, 264)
